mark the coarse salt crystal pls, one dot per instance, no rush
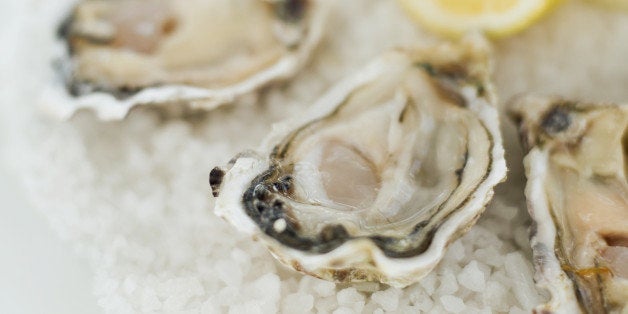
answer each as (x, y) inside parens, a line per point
(228, 295)
(424, 303)
(471, 277)
(506, 212)
(388, 299)
(494, 295)
(452, 304)
(208, 307)
(490, 256)
(149, 301)
(349, 296)
(229, 272)
(129, 285)
(267, 287)
(429, 283)
(352, 298)
(455, 252)
(521, 274)
(408, 309)
(324, 288)
(326, 304)
(517, 310)
(475, 310)
(239, 256)
(298, 303)
(249, 307)
(448, 283)
(343, 310)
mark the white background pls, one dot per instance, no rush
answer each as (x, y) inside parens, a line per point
(39, 273)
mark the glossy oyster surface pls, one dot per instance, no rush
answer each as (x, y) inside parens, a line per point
(380, 175)
(578, 197)
(121, 53)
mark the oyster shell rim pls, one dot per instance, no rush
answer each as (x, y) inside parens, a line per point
(395, 271)
(57, 102)
(550, 275)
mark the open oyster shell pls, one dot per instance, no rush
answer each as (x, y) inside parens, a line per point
(578, 197)
(380, 175)
(122, 53)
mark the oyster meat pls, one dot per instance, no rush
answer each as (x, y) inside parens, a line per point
(380, 175)
(578, 198)
(120, 53)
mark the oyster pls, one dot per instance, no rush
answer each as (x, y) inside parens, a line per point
(121, 53)
(380, 175)
(578, 197)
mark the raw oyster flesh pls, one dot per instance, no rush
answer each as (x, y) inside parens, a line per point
(218, 49)
(384, 171)
(578, 197)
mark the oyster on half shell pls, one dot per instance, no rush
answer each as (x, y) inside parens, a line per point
(379, 175)
(578, 198)
(121, 53)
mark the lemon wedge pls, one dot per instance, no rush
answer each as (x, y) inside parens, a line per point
(612, 4)
(496, 18)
